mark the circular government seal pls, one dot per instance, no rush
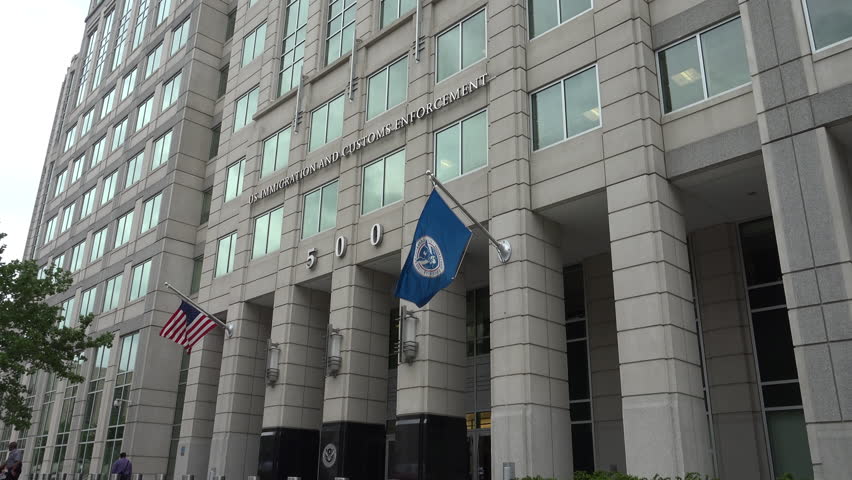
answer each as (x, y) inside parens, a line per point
(428, 260)
(329, 455)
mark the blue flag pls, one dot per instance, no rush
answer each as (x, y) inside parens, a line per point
(440, 241)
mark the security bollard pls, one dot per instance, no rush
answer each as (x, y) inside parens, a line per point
(508, 470)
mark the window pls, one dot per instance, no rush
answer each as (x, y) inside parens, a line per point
(387, 88)
(251, 3)
(121, 399)
(461, 46)
(327, 123)
(50, 230)
(547, 14)
(462, 148)
(179, 36)
(87, 122)
(67, 217)
(70, 137)
(162, 150)
(393, 9)
(703, 66)
(118, 133)
(267, 232)
(163, 9)
(98, 151)
(246, 107)
(103, 51)
(320, 212)
(87, 301)
(98, 244)
(128, 84)
(206, 200)
(108, 102)
(91, 411)
(234, 180)
(171, 91)
(153, 62)
(478, 322)
(223, 81)
(112, 293)
(139, 280)
(87, 63)
(341, 28)
(566, 109)
(134, 169)
(276, 152)
(121, 40)
(141, 21)
(109, 187)
(77, 168)
(151, 213)
(229, 27)
(60, 182)
(253, 44)
(384, 181)
(77, 252)
(830, 21)
(88, 202)
(143, 113)
(214, 140)
(293, 52)
(123, 228)
(197, 265)
(59, 262)
(67, 312)
(225, 254)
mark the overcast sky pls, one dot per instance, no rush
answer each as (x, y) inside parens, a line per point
(41, 37)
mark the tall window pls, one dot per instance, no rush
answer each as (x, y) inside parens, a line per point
(773, 344)
(579, 373)
(123, 27)
(153, 61)
(120, 399)
(206, 201)
(223, 81)
(98, 244)
(462, 147)
(225, 252)
(60, 182)
(67, 217)
(134, 169)
(253, 44)
(70, 137)
(88, 117)
(178, 417)
(118, 133)
(109, 187)
(234, 180)
(77, 168)
(88, 205)
(384, 181)
(59, 261)
(50, 230)
(393, 9)
(151, 213)
(461, 46)
(163, 8)
(139, 280)
(98, 151)
(179, 37)
(143, 113)
(197, 265)
(478, 322)
(320, 212)
(112, 292)
(267, 232)
(100, 361)
(171, 91)
(141, 20)
(87, 64)
(830, 21)
(341, 28)
(293, 52)
(276, 152)
(230, 24)
(103, 50)
(566, 109)
(387, 88)
(162, 150)
(128, 84)
(87, 301)
(43, 428)
(77, 256)
(546, 14)
(108, 103)
(703, 66)
(246, 107)
(327, 122)
(123, 227)
(68, 312)
(63, 431)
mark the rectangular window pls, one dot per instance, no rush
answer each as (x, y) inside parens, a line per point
(179, 37)
(162, 150)
(70, 137)
(108, 103)
(68, 312)
(98, 244)
(88, 202)
(234, 180)
(123, 228)
(547, 14)
(163, 9)
(112, 293)
(59, 262)
(197, 265)
(214, 141)
(223, 81)
(341, 28)
(151, 213)
(103, 51)
(67, 217)
(121, 400)
(267, 232)
(153, 61)
(143, 113)
(84, 75)
(387, 88)
(253, 44)
(109, 187)
(293, 51)
(91, 411)
(327, 123)
(77, 168)
(87, 301)
(206, 200)
(703, 66)
(462, 147)
(578, 109)
(50, 230)
(393, 9)
(171, 91)
(77, 252)
(139, 280)
(141, 21)
(320, 210)
(118, 133)
(134, 169)
(121, 40)
(98, 151)
(225, 253)
(384, 181)
(461, 46)
(128, 84)
(246, 107)
(830, 21)
(229, 26)
(276, 152)
(87, 122)
(61, 179)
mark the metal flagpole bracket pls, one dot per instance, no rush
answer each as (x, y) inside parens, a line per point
(228, 327)
(504, 248)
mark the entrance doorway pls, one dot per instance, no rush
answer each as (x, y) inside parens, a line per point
(479, 453)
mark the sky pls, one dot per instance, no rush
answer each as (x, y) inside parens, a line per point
(42, 36)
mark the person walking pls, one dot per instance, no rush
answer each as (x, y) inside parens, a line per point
(122, 467)
(13, 462)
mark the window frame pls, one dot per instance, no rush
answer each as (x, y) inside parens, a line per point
(111, 293)
(241, 165)
(150, 219)
(232, 254)
(291, 67)
(461, 44)
(277, 138)
(100, 158)
(112, 178)
(145, 267)
(254, 49)
(172, 90)
(559, 10)
(116, 144)
(326, 105)
(267, 213)
(561, 82)
(386, 69)
(144, 113)
(184, 37)
(383, 158)
(157, 56)
(99, 239)
(128, 228)
(135, 167)
(88, 201)
(328, 34)
(128, 85)
(807, 14)
(162, 148)
(319, 189)
(248, 118)
(461, 145)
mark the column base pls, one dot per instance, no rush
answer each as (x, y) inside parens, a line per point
(288, 452)
(352, 450)
(430, 447)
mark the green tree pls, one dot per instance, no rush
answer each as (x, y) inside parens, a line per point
(32, 337)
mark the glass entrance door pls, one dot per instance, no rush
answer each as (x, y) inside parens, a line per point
(479, 453)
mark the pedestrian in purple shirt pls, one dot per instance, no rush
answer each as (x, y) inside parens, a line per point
(122, 467)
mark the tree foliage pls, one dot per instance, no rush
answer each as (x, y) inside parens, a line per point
(32, 337)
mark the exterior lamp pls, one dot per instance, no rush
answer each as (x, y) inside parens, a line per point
(335, 340)
(407, 336)
(273, 355)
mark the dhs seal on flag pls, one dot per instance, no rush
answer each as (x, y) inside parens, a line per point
(429, 261)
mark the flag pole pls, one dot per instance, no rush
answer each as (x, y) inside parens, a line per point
(504, 249)
(228, 328)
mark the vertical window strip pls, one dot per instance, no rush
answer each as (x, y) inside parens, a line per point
(89, 426)
(293, 51)
(141, 20)
(341, 28)
(163, 11)
(102, 49)
(109, 187)
(121, 40)
(87, 65)
(162, 150)
(121, 399)
(139, 280)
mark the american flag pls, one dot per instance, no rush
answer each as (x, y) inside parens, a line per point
(187, 326)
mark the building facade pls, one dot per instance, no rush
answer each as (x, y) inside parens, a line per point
(672, 176)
